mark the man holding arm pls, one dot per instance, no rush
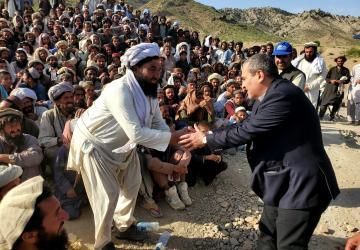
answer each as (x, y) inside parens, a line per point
(103, 147)
(291, 172)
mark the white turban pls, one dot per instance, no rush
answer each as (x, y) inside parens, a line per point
(16, 209)
(139, 52)
(58, 89)
(215, 76)
(22, 93)
(8, 173)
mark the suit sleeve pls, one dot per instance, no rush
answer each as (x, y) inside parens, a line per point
(273, 111)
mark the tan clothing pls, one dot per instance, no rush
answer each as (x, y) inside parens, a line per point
(28, 156)
(51, 127)
(103, 149)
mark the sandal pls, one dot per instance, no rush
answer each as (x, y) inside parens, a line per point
(153, 209)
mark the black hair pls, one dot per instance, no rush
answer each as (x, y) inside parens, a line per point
(2, 73)
(9, 119)
(264, 63)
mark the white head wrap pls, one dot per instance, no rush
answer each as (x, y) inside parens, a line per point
(207, 41)
(139, 52)
(16, 209)
(22, 93)
(131, 57)
(9, 173)
(143, 27)
(177, 53)
(215, 76)
(58, 89)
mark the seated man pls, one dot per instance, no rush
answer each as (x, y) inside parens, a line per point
(29, 107)
(68, 184)
(32, 218)
(29, 126)
(53, 121)
(9, 178)
(16, 147)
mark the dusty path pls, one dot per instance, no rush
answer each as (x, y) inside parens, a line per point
(225, 214)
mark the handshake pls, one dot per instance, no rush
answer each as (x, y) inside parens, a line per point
(190, 138)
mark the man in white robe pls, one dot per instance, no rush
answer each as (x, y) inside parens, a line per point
(103, 146)
(314, 68)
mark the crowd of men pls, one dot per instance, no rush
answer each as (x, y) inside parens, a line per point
(58, 62)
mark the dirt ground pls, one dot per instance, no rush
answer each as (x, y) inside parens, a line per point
(224, 215)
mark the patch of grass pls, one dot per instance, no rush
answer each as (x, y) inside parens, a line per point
(353, 52)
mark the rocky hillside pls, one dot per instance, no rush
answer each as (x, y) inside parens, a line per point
(207, 20)
(258, 24)
(311, 25)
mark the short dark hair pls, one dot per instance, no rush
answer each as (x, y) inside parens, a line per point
(98, 56)
(9, 119)
(239, 92)
(340, 57)
(264, 63)
(3, 73)
(239, 43)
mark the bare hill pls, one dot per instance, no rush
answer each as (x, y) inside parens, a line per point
(329, 29)
(207, 20)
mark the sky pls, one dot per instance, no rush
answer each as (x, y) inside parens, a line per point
(344, 7)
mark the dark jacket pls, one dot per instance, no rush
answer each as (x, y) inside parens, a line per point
(290, 168)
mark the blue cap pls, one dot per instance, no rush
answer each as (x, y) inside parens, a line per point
(282, 49)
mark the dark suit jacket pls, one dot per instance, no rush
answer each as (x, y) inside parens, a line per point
(290, 168)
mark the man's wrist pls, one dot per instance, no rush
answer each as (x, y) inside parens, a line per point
(11, 158)
(204, 139)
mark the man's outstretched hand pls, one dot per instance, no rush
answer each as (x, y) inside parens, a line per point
(175, 136)
(353, 243)
(193, 139)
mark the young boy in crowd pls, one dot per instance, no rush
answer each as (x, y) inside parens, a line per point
(203, 163)
(239, 116)
(5, 84)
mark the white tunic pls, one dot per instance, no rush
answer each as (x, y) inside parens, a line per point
(103, 150)
(313, 80)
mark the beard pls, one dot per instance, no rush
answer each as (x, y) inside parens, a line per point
(80, 104)
(54, 64)
(47, 241)
(27, 110)
(21, 64)
(17, 140)
(149, 88)
(69, 109)
(310, 58)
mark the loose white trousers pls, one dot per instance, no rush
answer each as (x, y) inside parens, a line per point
(112, 192)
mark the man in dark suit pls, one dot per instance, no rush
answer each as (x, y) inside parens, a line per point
(291, 172)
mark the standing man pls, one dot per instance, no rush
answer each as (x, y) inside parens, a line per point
(355, 79)
(283, 57)
(314, 68)
(333, 92)
(103, 146)
(291, 172)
